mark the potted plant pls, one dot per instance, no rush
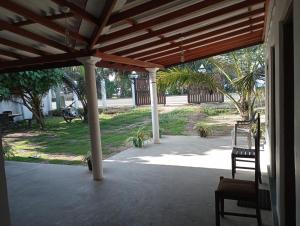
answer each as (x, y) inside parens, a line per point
(139, 138)
(88, 160)
(203, 130)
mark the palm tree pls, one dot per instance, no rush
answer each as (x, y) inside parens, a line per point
(240, 69)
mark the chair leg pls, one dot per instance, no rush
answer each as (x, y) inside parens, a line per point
(217, 208)
(259, 175)
(222, 206)
(233, 164)
(258, 215)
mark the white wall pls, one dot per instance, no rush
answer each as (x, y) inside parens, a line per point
(297, 103)
(277, 12)
(21, 109)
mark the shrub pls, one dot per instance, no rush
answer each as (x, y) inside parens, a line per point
(139, 138)
(203, 129)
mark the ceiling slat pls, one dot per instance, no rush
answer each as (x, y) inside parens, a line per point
(189, 40)
(196, 20)
(137, 10)
(106, 12)
(162, 19)
(14, 7)
(30, 35)
(78, 11)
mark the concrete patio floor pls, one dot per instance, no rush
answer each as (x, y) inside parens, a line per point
(168, 184)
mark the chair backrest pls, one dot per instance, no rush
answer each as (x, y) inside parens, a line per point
(7, 112)
(257, 150)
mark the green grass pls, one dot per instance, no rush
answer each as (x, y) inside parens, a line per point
(68, 143)
(216, 111)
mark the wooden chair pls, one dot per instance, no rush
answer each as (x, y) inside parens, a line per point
(245, 190)
(245, 155)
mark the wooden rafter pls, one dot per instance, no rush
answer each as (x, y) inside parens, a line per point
(218, 38)
(194, 39)
(126, 60)
(106, 12)
(267, 3)
(150, 23)
(137, 10)
(213, 49)
(196, 20)
(14, 7)
(11, 54)
(51, 17)
(22, 47)
(121, 67)
(78, 11)
(30, 35)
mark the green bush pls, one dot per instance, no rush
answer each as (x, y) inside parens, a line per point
(139, 138)
(203, 129)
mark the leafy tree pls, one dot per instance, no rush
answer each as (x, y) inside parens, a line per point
(28, 88)
(240, 70)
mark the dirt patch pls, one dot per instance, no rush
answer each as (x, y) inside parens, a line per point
(192, 121)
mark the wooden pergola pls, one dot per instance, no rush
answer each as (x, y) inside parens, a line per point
(139, 35)
(127, 35)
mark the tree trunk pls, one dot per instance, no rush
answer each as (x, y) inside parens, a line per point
(37, 112)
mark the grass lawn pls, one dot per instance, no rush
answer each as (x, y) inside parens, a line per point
(68, 143)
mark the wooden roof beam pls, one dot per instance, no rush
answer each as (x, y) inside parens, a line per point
(125, 60)
(51, 17)
(136, 11)
(30, 35)
(11, 54)
(119, 66)
(48, 59)
(202, 43)
(105, 15)
(196, 20)
(22, 47)
(213, 49)
(162, 19)
(78, 11)
(188, 40)
(16, 8)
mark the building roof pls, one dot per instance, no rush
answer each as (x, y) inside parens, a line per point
(126, 34)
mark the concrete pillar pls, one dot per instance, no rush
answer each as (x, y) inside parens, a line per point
(93, 114)
(75, 100)
(49, 96)
(103, 93)
(57, 97)
(4, 207)
(154, 108)
(133, 92)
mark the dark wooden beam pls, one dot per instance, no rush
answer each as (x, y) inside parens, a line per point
(126, 60)
(78, 11)
(19, 9)
(30, 35)
(267, 3)
(213, 49)
(51, 17)
(137, 10)
(11, 54)
(121, 67)
(49, 59)
(162, 19)
(179, 13)
(22, 47)
(196, 20)
(106, 12)
(186, 41)
(215, 39)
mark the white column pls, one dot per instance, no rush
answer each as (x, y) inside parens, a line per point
(154, 109)
(49, 100)
(103, 93)
(93, 114)
(133, 92)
